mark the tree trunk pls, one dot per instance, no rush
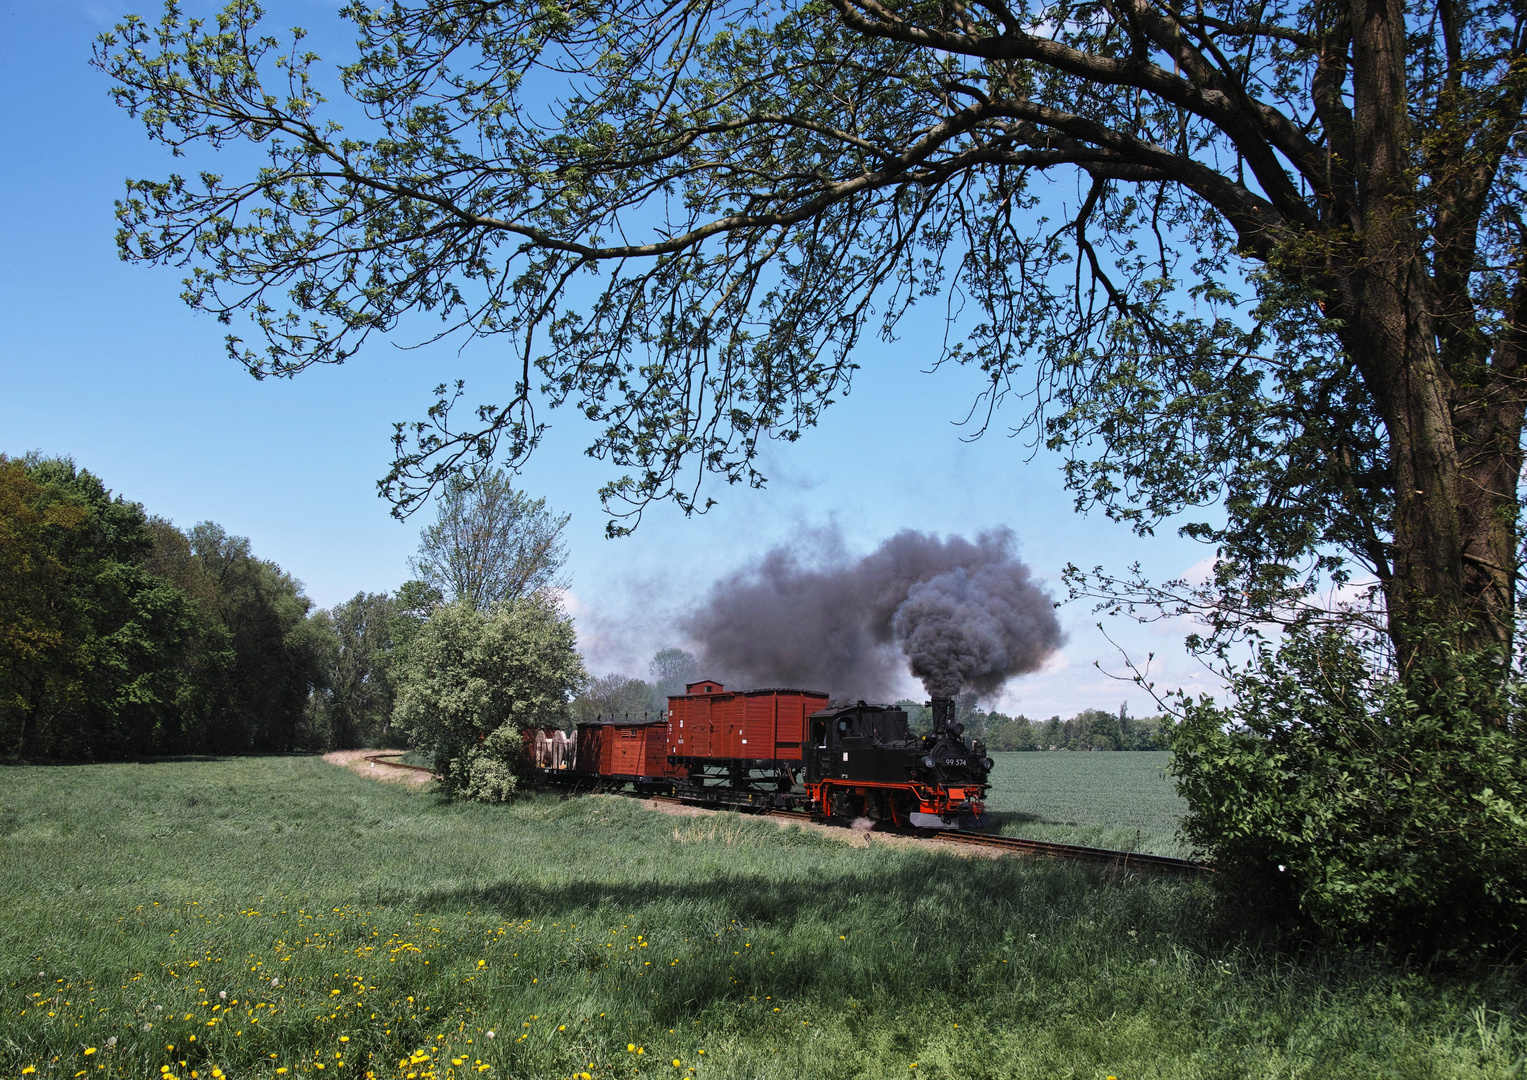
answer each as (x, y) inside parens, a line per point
(1453, 528)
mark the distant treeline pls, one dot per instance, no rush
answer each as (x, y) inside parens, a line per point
(122, 635)
(1090, 729)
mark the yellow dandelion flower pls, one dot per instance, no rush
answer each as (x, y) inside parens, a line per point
(89, 1050)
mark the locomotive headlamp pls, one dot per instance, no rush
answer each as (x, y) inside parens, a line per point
(989, 764)
(928, 762)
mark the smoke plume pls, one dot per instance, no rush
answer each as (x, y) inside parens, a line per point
(961, 615)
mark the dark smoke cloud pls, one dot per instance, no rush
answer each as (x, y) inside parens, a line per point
(962, 615)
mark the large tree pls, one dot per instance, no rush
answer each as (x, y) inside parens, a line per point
(1287, 281)
(490, 543)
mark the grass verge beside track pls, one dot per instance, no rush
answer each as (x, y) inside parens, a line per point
(280, 917)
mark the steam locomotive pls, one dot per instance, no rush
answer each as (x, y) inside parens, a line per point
(787, 749)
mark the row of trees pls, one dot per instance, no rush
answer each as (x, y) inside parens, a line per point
(618, 695)
(1090, 729)
(121, 634)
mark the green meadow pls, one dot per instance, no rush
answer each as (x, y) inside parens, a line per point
(281, 917)
(1119, 800)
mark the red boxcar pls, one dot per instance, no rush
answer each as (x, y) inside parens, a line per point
(624, 749)
(709, 721)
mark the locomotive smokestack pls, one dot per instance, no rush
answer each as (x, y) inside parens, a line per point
(943, 714)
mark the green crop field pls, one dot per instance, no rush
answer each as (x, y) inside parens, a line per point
(1113, 799)
(282, 917)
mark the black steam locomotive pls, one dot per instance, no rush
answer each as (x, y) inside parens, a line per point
(864, 762)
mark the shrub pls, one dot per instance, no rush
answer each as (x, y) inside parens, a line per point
(1331, 789)
(471, 679)
(493, 769)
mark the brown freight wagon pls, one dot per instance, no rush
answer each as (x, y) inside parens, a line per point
(625, 750)
(709, 725)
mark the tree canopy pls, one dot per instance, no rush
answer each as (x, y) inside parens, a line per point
(1287, 280)
(91, 644)
(122, 635)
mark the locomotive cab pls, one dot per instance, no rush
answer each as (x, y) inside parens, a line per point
(860, 742)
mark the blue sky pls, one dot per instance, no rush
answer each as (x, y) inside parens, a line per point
(100, 360)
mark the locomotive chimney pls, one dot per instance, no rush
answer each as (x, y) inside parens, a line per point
(943, 714)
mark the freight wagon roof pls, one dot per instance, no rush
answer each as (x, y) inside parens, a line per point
(750, 693)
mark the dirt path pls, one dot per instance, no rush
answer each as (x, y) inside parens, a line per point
(355, 761)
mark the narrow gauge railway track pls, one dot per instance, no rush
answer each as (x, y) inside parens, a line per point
(382, 759)
(1020, 846)
(1050, 849)
(794, 815)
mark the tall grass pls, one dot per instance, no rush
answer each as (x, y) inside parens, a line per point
(371, 929)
